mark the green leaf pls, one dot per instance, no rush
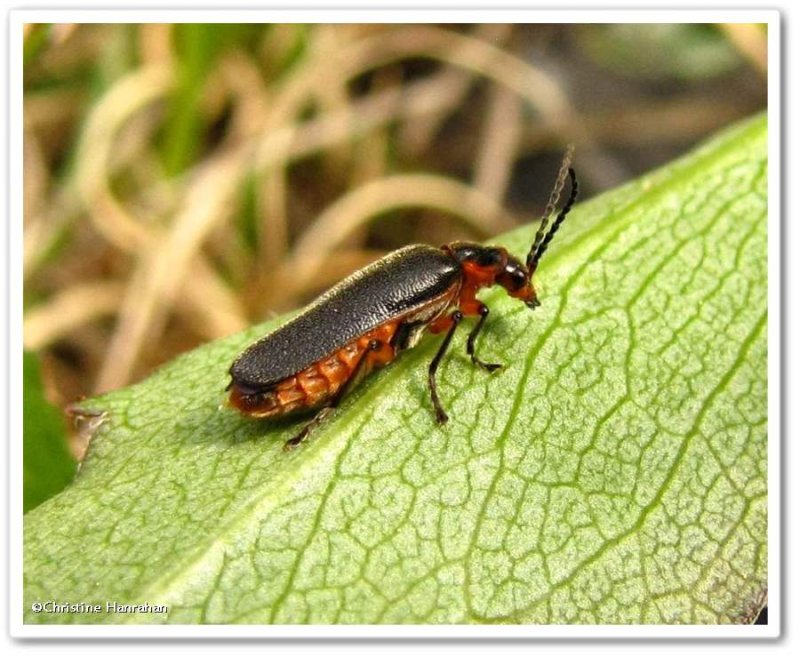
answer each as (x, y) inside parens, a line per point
(614, 472)
(47, 465)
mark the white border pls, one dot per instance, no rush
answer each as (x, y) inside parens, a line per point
(421, 15)
(774, 345)
(19, 17)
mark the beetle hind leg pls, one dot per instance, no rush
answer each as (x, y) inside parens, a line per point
(318, 419)
(441, 415)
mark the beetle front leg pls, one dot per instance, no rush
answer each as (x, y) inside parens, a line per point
(483, 311)
(455, 319)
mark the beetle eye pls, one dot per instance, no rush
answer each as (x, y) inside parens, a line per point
(516, 277)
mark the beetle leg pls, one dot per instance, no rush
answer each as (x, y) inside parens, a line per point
(441, 416)
(489, 367)
(324, 412)
(318, 419)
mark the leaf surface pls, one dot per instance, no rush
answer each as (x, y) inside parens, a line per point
(613, 472)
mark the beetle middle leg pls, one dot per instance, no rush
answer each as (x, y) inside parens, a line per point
(455, 320)
(483, 311)
(326, 411)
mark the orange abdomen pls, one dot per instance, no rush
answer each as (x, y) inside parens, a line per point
(319, 383)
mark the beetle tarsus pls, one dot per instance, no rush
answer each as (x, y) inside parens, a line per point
(489, 367)
(290, 444)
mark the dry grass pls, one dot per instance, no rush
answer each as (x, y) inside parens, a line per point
(175, 194)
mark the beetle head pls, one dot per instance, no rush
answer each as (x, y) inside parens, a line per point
(516, 280)
(493, 265)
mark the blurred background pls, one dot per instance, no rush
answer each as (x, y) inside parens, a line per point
(182, 182)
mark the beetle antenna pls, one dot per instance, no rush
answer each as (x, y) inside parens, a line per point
(555, 195)
(573, 194)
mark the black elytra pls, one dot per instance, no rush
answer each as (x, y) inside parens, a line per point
(394, 286)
